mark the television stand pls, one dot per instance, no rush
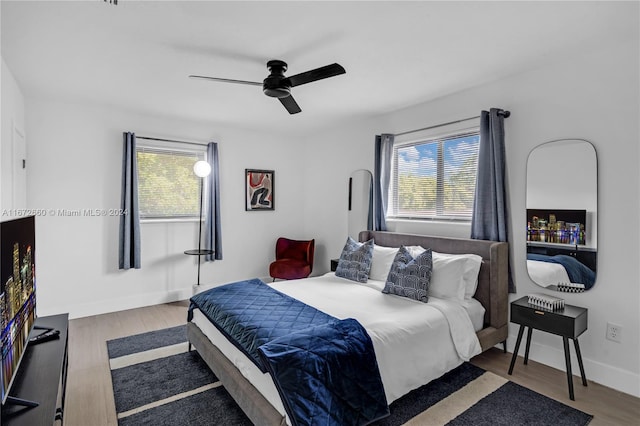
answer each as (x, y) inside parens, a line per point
(19, 401)
(40, 380)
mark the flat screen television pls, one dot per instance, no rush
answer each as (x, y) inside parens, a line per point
(557, 226)
(17, 294)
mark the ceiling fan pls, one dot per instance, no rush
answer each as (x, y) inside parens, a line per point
(277, 85)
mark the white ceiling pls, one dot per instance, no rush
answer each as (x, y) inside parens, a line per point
(137, 55)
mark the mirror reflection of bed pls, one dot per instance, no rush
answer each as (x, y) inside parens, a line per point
(561, 221)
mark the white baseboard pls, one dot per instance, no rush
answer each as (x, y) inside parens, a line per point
(606, 375)
(119, 304)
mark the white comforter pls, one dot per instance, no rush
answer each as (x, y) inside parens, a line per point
(414, 342)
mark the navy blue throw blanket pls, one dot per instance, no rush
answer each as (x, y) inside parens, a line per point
(327, 375)
(324, 368)
(251, 313)
(578, 272)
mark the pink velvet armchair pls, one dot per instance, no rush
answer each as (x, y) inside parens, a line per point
(294, 259)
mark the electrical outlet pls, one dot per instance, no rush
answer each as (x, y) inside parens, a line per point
(614, 332)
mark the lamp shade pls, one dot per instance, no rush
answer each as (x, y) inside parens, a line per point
(201, 168)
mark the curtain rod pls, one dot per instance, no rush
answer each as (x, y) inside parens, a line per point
(501, 112)
(169, 140)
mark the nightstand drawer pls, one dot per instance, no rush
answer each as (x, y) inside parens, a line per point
(334, 264)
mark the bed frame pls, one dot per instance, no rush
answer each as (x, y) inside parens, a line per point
(492, 293)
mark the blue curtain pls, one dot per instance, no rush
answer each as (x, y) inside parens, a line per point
(490, 208)
(213, 233)
(129, 244)
(382, 174)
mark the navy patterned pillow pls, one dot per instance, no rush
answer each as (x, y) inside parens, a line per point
(355, 260)
(410, 277)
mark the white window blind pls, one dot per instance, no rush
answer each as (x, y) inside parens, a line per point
(434, 178)
(167, 185)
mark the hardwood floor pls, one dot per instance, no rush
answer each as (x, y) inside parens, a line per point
(89, 398)
(608, 406)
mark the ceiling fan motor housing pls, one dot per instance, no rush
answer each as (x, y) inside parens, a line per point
(276, 84)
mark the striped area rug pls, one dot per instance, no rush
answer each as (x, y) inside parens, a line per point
(156, 381)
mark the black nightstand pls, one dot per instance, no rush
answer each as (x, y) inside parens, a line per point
(334, 264)
(569, 323)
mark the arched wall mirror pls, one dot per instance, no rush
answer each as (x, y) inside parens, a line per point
(360, 208)
(562, 215)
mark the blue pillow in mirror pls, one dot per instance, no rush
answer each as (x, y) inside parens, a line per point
(355, 260)
(410, 277)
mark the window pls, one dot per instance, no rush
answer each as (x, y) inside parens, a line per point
(167, 186)
(434, 177)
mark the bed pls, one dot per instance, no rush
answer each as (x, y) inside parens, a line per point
(254, 391)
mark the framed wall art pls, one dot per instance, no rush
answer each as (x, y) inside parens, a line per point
(259, 185)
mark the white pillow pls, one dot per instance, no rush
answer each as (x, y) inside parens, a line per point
(381, 262)
(447, 278)
(468, 265)
(415, 251)
(471, 269)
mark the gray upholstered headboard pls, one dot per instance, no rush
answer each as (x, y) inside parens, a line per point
(492, 289)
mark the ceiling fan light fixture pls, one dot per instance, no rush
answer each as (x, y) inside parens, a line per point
(277, 90)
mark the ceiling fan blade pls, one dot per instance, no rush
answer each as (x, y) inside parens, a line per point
(316, 74)
(290, 104)
(226, 80)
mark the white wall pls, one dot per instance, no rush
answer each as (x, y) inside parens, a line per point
(593, 97)
(75, 156)
(333, 156)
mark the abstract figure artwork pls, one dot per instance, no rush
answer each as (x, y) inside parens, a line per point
(259, 189)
